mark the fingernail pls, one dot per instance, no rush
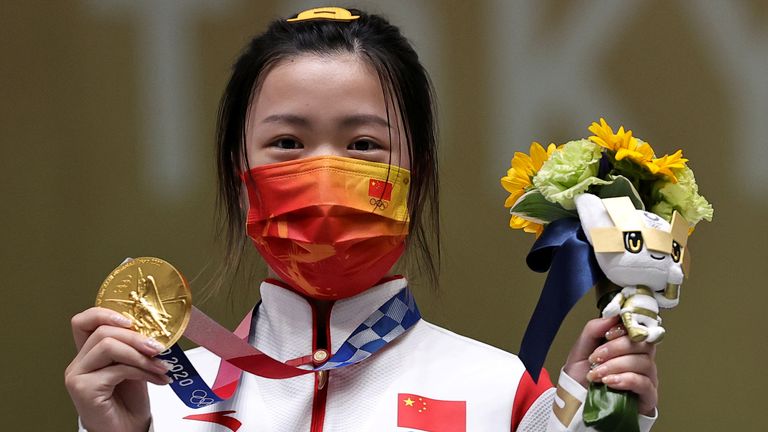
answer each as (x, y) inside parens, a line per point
(163, 380)
(615, 332)
(162, 366)
(122, 320)
(612, 379)
(599, 371)
(155, 345)
(598, 356)
(596, 374)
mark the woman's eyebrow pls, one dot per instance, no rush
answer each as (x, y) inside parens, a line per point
(292, 119)
(363, 119)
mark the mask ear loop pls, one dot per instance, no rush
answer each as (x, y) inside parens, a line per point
(391, 95)
(244, 163)
(386, 77)
(387, 96)
(398, 105)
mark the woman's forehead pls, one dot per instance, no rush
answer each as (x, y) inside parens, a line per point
(320, 83)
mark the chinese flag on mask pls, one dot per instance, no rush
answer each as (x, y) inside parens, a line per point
(431, 415)
(380, 190)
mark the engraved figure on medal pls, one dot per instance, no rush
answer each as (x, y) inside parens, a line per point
(149, 317)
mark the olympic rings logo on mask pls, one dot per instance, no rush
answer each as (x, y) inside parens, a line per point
(200, 398)
(379, 204)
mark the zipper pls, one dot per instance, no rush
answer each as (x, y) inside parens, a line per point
(321, 343)
(319, 400)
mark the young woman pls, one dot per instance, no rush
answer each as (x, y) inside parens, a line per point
(326, 156)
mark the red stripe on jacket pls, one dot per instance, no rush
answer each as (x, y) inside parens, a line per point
(527, 393)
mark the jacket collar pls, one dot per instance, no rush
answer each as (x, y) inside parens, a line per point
(284, 325)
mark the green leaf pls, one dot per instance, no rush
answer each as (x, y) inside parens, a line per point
(619, 186)
(534, 207)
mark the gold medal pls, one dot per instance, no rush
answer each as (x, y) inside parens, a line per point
(153, 294)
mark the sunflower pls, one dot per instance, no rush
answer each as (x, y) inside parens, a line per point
(523, 169)
(665, 164)
(519, 180)
(516, 222)
(622, 143)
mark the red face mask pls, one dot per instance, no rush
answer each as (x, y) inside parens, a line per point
(330, 227)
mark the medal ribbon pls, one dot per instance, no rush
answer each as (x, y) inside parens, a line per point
(385, 324)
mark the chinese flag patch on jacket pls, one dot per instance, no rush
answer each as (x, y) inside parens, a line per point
(431, 415)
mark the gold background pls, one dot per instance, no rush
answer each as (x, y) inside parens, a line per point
(77, 199)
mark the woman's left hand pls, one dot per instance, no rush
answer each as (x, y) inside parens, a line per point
(619, 363)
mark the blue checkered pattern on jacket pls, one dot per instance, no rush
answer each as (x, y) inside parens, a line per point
(388, 322)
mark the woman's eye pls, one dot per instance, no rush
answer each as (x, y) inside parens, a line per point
(287, 144)
(363, 145)
(633, 241)
(676, 251)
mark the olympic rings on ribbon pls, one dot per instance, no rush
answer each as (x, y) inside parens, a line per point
(200, 398)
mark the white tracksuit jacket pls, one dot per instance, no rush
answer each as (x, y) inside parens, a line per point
(424, 366)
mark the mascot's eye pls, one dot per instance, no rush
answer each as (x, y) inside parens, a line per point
(676, 251)
(633, 241)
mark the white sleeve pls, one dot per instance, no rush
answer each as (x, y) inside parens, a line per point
(560, 410)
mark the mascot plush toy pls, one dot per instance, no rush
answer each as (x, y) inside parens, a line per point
(639, 252)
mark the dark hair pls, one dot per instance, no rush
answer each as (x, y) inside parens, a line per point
(403, 79)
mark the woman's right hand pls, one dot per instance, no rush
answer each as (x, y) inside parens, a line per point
(107, 380)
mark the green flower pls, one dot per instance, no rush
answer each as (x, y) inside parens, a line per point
(682, 196)
(569, 172)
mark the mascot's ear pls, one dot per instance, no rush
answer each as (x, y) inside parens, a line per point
(592, 214)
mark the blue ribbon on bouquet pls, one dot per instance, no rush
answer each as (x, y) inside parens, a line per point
(564, 250)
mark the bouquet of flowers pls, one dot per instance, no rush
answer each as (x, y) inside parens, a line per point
(606, 213)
